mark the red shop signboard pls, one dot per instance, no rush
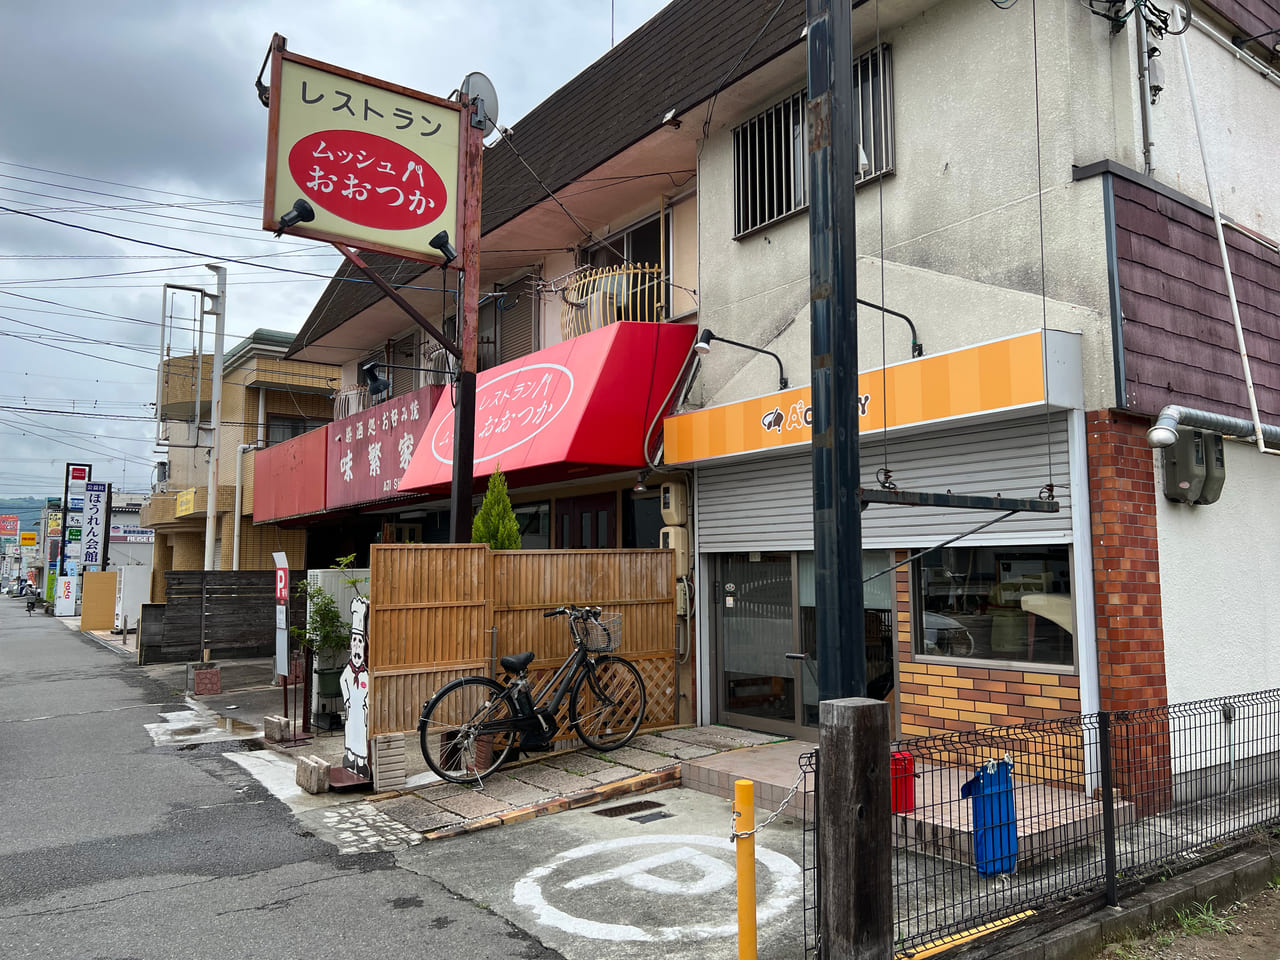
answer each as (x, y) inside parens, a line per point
(368, 452)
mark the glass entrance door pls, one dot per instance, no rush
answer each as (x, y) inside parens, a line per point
(755, 599)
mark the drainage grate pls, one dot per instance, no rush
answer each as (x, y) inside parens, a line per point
(638, 806)
(650, 817)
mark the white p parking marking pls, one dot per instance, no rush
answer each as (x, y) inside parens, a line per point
(686, 853)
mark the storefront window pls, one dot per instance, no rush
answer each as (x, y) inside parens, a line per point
(534, 521)
(996, 603)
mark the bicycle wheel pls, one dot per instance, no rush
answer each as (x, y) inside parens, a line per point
(607, 702)
(467, 729)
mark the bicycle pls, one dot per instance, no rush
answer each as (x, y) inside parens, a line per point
(470, 726)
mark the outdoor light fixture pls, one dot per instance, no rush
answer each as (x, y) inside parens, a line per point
(669, 119)
(640, 487)
(702, 346)
(301, 213)
(1241, 41)
(440, 243)
(375, 383)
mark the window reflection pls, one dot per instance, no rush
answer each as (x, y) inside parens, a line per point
(996, 603)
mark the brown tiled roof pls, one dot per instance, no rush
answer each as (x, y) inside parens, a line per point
(679, 58)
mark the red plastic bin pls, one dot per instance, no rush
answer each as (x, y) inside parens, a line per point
(902, 774)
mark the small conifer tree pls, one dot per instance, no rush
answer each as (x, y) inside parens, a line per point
(495, 524)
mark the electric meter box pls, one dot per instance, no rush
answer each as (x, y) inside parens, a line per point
(1215, 469)
(674, 506)
(677, 539)
(1184, 467)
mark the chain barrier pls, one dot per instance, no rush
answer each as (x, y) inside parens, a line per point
(735, 834)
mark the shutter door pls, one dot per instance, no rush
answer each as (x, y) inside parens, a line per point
(768, 504)
(403, 354)
(516, 320)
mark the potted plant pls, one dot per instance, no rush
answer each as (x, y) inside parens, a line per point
(328, 632)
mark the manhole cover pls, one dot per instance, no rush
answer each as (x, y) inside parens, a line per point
(626, 809)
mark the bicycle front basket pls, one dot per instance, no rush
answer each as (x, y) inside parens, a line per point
(603, 635)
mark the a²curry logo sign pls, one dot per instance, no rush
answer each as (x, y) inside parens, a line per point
(799, 416)
(511, 410)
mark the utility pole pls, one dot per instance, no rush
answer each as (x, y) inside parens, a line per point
(837, 519)
(215, 409)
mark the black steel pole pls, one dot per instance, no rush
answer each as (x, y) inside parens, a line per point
(464, 443)
(837, 521)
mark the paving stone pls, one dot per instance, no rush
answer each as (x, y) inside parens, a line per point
(654, 743)
(501, 786)
(472, 804)
(640, 759)
(557, 781)
(580, 763)
(417, 814)
(611, 774)
(438, 790)
(692, 751)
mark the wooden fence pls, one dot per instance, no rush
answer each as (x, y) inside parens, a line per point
(442, 612)
(231, 613)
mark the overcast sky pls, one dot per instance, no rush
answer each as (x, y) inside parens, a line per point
(140, 120)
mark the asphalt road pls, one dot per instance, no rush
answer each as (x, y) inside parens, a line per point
(112, 846)
(125, 832)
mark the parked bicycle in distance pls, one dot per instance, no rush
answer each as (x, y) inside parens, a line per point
(470, 726)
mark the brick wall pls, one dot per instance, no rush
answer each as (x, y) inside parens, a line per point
(1126, 564)
(1126, 583)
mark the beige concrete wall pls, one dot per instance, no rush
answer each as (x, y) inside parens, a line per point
(958, 223)
(684, 256)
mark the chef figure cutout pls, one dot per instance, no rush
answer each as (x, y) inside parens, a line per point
(355, 692)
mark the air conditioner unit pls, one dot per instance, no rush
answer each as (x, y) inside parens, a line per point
(677, 539)
(674, 503)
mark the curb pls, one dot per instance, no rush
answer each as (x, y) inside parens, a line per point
(648, 782)
(1233, 878)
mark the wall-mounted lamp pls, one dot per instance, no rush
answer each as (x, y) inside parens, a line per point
(640, 478)
(1241, 41)
(702, 346)
(369, 376)
(301, 213)
(440, 243)
(917, 348)
(669, 119)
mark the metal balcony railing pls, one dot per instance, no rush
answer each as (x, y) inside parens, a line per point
(604, 295)
(350, 400)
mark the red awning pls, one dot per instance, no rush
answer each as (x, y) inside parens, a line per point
(576, 409)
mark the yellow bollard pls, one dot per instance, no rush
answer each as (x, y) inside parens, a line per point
(744, 821)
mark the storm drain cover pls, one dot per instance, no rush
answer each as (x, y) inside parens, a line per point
(626, 809)
(650, 817)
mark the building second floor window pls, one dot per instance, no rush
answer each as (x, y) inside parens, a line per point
(771, 150)
(280, 429)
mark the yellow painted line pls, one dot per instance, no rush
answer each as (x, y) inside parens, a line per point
(935, 947)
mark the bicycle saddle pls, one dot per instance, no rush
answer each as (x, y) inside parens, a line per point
(517, 663)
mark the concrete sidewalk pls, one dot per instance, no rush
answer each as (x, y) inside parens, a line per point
(425, 808)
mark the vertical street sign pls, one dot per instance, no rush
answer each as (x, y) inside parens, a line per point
(93, 529)
(76, 475)
(282, 613)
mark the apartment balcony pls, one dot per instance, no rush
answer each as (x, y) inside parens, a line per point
(184, 381)
(598, 296)
(350, 400)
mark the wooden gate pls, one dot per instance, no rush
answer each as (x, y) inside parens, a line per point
(442, 612)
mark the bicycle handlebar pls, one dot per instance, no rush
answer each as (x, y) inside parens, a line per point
(575, 612)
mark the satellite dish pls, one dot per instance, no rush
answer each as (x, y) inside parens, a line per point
(476, 84)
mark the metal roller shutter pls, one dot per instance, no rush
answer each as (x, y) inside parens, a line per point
(516, 321)
(768, 504)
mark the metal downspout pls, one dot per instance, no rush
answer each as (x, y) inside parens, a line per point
(1222, 243)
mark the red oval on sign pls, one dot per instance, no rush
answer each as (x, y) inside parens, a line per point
(367, 179)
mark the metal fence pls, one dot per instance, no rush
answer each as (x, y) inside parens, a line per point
(991, 824)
